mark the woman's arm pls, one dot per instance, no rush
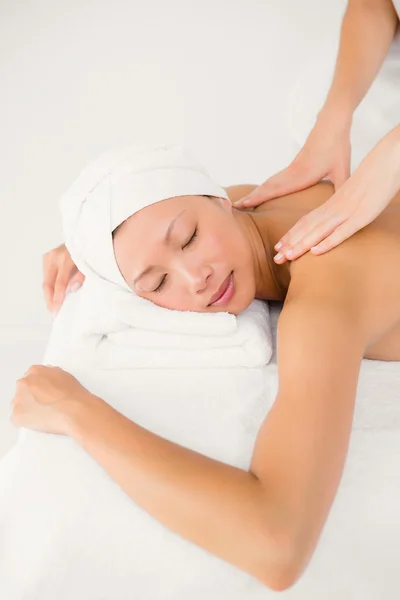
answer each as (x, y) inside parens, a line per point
(216, 506)
(368, 28)
(265, 521)
(302, 445)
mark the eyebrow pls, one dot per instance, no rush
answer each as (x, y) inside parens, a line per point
(165, 241)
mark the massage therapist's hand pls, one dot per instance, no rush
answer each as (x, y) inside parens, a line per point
(59, 271)
(46, 399)
(326, 154)
(357, 203)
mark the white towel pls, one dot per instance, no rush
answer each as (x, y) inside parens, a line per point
(116, 185)
(66, 528)
(114, 329)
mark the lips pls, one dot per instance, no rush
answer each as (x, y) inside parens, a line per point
(221, 290)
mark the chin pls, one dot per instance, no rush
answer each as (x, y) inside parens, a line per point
(235, 308)
(241, 302)
(243, 307)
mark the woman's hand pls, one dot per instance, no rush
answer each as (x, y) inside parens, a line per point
(358, 202)
(59, 271)
(326, 154)
(46, 399)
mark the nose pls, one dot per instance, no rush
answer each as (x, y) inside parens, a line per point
(196, 277)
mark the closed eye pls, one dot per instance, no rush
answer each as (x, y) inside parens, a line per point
(164, 279)
(191, 239)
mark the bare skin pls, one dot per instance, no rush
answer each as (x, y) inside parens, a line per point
(245, 243)
(338, 308)
(375, 252)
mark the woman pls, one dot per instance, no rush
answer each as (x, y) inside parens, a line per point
(367, 32)
(338, 308)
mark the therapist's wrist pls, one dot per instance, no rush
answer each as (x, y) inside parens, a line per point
(336, 114)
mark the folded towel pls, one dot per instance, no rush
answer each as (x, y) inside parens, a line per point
(115, 329)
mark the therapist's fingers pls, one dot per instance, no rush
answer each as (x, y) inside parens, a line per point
(304, 226)
(309, 231)
(308, 239)
(341, 233)
(297, 176)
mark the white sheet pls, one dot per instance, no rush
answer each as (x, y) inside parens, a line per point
(72, 533)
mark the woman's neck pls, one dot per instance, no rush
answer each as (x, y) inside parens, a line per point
(272, 280)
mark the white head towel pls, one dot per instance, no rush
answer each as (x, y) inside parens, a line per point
(114, 187)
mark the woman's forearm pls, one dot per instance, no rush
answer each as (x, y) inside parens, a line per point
(216, 506)
(367, 31)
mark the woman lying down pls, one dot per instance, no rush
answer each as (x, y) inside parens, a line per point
(176, 240)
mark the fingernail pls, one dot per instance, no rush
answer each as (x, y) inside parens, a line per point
(74, 286)
(278, 256)
(278, 245)
(315, 248)
(289, 253)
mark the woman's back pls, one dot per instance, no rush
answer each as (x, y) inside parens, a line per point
(372, 255)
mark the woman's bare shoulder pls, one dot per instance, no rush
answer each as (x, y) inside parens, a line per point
(367, 265)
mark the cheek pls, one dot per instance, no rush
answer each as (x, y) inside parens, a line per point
(220, 242)
(214, 247)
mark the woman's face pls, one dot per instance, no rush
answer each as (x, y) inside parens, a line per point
(206, 243)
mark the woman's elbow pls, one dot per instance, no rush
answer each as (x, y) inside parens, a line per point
(281, 566)
(280, 578)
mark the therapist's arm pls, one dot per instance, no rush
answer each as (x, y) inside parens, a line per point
(368, 28)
